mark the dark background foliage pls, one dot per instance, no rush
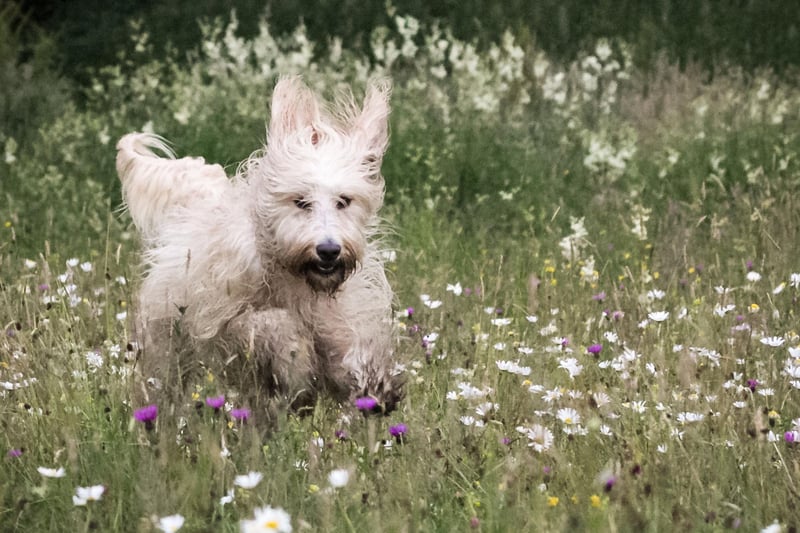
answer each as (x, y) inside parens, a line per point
(750, 33)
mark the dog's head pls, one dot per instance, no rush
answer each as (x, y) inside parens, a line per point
(319, 181)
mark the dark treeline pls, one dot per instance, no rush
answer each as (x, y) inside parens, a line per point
(749, 33)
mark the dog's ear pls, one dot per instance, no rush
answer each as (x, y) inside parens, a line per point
(373, 121)
(294, 107)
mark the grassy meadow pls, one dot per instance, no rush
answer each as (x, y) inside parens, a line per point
(597, 287)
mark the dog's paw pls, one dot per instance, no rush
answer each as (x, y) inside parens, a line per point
(386, 391)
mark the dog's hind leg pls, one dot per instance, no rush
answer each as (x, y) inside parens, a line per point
(282, 351)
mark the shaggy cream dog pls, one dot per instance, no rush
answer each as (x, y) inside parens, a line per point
(275, 271)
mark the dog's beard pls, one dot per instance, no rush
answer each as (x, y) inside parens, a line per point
(326, 277)
(321, 276)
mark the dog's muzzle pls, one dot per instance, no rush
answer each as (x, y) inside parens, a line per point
(328, 253)
(328, 270)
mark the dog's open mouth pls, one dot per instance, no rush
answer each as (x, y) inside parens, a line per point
(325, 276)
(326, 268)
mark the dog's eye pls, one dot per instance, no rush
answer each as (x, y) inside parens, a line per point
(303, 204)
(343, 202)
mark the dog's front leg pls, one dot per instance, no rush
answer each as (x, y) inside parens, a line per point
(282, 350)
(369, 360)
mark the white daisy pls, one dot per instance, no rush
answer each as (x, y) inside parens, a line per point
(338, 478)
(171, 523)
(83, 495)
(572, 366)
(268, 519)
(51, 472)
(569, 416)
(658, 316)
(455, 289)
(774, 342)
(540, 438)
(249, 480)
(513, 367)
(228, 498)
(688, 417)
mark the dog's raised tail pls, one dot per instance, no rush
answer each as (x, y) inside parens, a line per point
(152, 186)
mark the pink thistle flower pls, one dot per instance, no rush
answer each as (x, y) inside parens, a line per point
(146, 415)
(398, 431)
(594, 349)
(366, 403)
(215, 402)
(242, 415)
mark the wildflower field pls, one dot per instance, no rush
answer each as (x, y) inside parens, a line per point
(597, 284)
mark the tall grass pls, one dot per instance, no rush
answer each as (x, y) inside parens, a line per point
(597, 300)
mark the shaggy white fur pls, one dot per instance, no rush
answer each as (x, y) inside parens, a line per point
(278, 264)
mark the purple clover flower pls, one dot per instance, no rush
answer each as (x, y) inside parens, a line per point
(14, 452)
(366, 403)
(609, 483)
(215, 402)
(242, 414)
(752, 384)
(409, 312)
(594, 349)
(340, 434)
(792, 437)
(599, 297)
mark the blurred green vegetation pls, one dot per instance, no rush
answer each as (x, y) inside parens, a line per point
(750, 33)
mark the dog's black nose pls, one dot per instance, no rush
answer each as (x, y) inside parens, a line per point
(328, 252)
